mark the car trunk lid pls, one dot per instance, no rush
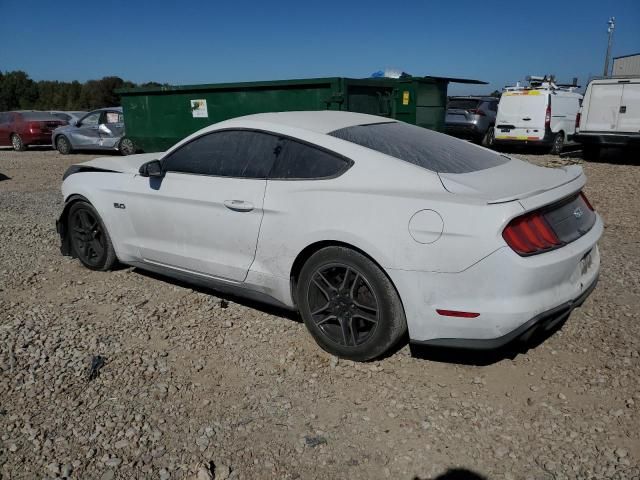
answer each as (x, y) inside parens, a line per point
(516, 180)
(461, 110)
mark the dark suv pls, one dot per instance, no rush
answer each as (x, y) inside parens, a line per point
(472, 118)
(23, 128)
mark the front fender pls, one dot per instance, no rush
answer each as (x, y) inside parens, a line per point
(62, 225)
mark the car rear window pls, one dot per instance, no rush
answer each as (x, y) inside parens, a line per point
(427, 149)
(464, 103)
(39, 117)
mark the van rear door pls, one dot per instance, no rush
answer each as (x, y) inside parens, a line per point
(629, 111)
(520, 113)
(603, 109)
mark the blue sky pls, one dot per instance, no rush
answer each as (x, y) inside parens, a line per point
(208, 41)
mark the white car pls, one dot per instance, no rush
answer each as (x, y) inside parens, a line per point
(370, 227)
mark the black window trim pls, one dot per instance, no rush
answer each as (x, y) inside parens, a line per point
(347, 161)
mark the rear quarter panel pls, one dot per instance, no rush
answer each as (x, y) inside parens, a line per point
(370, 207)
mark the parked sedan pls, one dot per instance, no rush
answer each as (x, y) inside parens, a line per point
(101, 129)
(472, 118)
(21, 129)
(371, 228)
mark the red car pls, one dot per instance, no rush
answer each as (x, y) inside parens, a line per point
(23, 128)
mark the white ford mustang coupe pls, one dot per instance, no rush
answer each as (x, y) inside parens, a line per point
(371, 228)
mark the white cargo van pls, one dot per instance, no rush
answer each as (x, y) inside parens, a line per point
(610, 115)
(542, 114)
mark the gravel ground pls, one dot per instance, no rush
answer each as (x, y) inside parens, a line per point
(192, 385)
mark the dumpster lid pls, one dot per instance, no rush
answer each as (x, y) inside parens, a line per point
(456, 80)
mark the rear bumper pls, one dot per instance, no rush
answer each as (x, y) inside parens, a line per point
(522, 137)
(542, 322)
(509, 292)
(608, 139)
(463, 130)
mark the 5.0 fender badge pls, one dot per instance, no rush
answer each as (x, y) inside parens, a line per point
(119, 205)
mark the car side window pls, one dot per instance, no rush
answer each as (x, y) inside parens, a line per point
(4, 118)
(493, 106)
(297, 160)
(112, 117)
(232, 153)
(91, 119)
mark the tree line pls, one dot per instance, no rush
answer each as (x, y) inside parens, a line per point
(19, 92)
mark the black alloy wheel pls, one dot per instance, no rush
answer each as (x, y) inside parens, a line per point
(343, 304)
(349, 304)
(89, 238)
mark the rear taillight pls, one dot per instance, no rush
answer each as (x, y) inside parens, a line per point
(477, 111)
(547, 117)
(587, 202)
(34, 127)
(578, 115)
(530, 234)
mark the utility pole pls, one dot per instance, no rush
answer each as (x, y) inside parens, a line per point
(612, 25)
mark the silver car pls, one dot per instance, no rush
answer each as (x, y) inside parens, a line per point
(472, 118)
(100, 129)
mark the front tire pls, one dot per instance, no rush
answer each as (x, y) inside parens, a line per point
(558, 144)
(349, 305)
(63, 145)
(17, 143)
(90, 240)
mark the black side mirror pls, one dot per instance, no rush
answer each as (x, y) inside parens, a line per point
(152, 168)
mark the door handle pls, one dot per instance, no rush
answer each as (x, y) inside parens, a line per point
(238, 205)
(526, 119)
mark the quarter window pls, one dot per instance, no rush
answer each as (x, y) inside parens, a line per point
(299, 161)
(243, 154)
(113, 117)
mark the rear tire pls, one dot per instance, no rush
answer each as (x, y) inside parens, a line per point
(63, 145)
(17, 143)
(126, 147)
(558, 144)
(349, 305)
(89, 238)
(487, 140)
(591, 152)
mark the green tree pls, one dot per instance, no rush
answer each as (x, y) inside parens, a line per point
(17, 91)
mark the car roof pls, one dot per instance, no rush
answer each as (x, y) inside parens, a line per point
(320, 121)
(106, 109)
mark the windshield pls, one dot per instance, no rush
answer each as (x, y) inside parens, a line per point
(427, 149)
(39, 116)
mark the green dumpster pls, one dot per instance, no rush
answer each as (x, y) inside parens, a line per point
(156, 118)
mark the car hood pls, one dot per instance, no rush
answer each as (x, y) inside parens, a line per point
(513, 180)
(128, 164)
